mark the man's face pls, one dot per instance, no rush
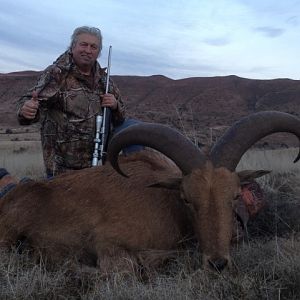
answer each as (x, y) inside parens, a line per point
(86, 50)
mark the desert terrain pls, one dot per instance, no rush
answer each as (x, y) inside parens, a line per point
(201, 107)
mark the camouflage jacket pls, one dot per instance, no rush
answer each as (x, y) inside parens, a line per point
(68, 103)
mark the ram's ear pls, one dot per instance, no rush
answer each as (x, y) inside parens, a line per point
(248, 176)
(169, 183)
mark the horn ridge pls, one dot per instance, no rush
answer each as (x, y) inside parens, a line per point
(228, 151)
(162, 138)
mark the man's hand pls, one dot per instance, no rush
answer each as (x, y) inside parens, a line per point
(109, 100)
(30, 107)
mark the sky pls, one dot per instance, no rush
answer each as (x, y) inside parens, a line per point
(258, 39)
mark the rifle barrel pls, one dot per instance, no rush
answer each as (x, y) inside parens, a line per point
(101, 139)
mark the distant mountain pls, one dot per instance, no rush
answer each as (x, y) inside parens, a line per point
(198, 106)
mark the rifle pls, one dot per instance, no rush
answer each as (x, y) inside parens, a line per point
(102, 126)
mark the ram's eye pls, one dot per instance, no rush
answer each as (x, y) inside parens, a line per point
(186, 201)
(237, 196)
(184, 198)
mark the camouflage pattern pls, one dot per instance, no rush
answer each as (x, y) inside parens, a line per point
(68, 103)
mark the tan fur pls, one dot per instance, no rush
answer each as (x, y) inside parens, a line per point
(98, 213)
(210, 193)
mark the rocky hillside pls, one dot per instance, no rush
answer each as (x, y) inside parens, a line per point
(198, 106)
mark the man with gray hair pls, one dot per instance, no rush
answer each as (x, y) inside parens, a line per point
(66, 99)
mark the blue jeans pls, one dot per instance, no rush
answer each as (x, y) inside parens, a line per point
(7, 188)
(133, 148)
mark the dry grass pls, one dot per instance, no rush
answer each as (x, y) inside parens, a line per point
(264, 270)
(278, 160)
(22, 158)
(267, 267)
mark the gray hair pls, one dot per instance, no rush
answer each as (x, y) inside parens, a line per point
(89, 30)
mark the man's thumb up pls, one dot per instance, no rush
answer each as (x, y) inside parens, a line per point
(35, 96)
(30, 107)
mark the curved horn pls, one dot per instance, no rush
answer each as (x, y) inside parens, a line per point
(166, 140)
(245, 132)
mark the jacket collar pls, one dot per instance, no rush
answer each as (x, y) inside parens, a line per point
(66, 63)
